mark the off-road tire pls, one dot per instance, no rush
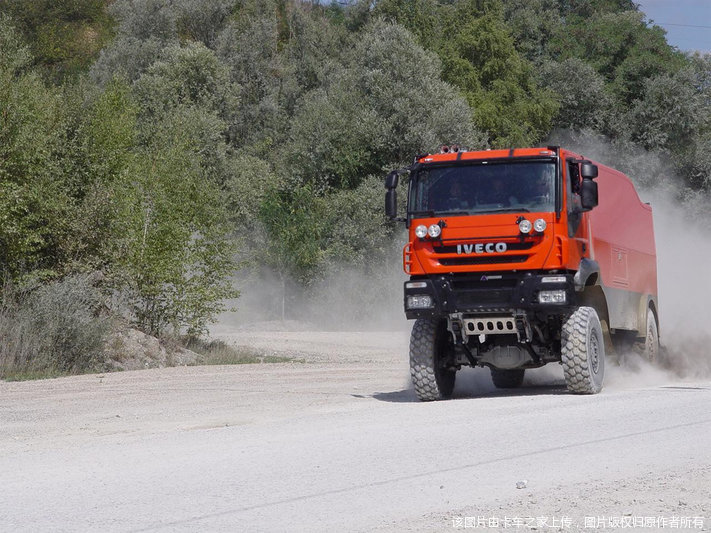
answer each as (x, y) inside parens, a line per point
(650, 346)
(429, 345)
(507, 379)
(583, 352)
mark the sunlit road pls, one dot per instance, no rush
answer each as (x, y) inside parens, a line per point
(343, 446)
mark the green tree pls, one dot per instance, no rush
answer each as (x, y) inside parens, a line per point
(34, 206)
(175, 255)
(100, 153)
(373, 113)
(621, 47)
(202, 21)
(144, 28)
(533, 23)
(294, 224)
(499, 84)
(188, 75)
(480, 58)
(580, 90)
(674, 116)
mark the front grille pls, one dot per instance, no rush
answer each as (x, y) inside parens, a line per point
(452, 248)
(489, 260)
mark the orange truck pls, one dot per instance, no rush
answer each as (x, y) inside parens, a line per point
(522, 257)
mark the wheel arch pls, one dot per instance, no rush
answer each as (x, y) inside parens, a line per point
(593, 296)
(588, 274)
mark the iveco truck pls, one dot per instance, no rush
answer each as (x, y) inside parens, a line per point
(522, 257)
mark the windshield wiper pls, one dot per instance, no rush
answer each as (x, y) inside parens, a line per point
(509, 210)
(433, 213)
(452, 213)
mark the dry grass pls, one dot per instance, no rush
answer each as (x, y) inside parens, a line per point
(51, 330)
(217, 352)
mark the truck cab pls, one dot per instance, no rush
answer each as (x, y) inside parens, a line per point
(522, 257)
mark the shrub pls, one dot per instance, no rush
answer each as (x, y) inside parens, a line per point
(53, 329)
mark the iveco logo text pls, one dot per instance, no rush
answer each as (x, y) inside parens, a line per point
(481, 248)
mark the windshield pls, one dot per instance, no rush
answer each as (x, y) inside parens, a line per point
(527, 186)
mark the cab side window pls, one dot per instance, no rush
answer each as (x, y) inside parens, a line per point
(575, 211)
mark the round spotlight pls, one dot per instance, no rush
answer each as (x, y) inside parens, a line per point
(539, 225)
(525, 226)
(421, 231)
(434, 231)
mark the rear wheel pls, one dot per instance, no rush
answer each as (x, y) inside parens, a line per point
(583, 352)
(431, 353)
(651, 340)
(507, 379)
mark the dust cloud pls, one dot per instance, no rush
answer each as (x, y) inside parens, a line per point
(681, 223)
(344, 297)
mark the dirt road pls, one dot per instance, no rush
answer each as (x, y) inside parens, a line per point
(337, 442)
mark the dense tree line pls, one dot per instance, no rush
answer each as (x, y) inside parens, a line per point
(164, 143)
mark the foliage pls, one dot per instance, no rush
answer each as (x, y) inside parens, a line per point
(293, 220)
(189, 75)
(479, 57)
(64, 37)
(204, 129)
(533, 23)
(372, 114)
(144, 28)
(202, 21)
(621, 47)
(90, 183)
(580, 90)
(216, 352)
(352, 235)
(250, 181)
(33, 204)
(173, 251)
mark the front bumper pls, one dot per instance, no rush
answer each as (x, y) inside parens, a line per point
(482, 293)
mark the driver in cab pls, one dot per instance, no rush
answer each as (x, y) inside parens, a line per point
(454, 198)
(497, 193)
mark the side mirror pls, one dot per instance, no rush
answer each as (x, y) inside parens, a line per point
(588, 193)
(588, 170)
(392, 179)
(391, 203)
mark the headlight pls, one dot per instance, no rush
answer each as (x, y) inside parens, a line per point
(434, 231)
(524, 226)
(539, 225)
(421, 231)
(551, 297)
(419, 301)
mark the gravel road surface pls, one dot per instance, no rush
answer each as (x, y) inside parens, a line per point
(336, 441)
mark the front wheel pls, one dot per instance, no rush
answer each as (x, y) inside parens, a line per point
(430, 359)
(583, 352)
